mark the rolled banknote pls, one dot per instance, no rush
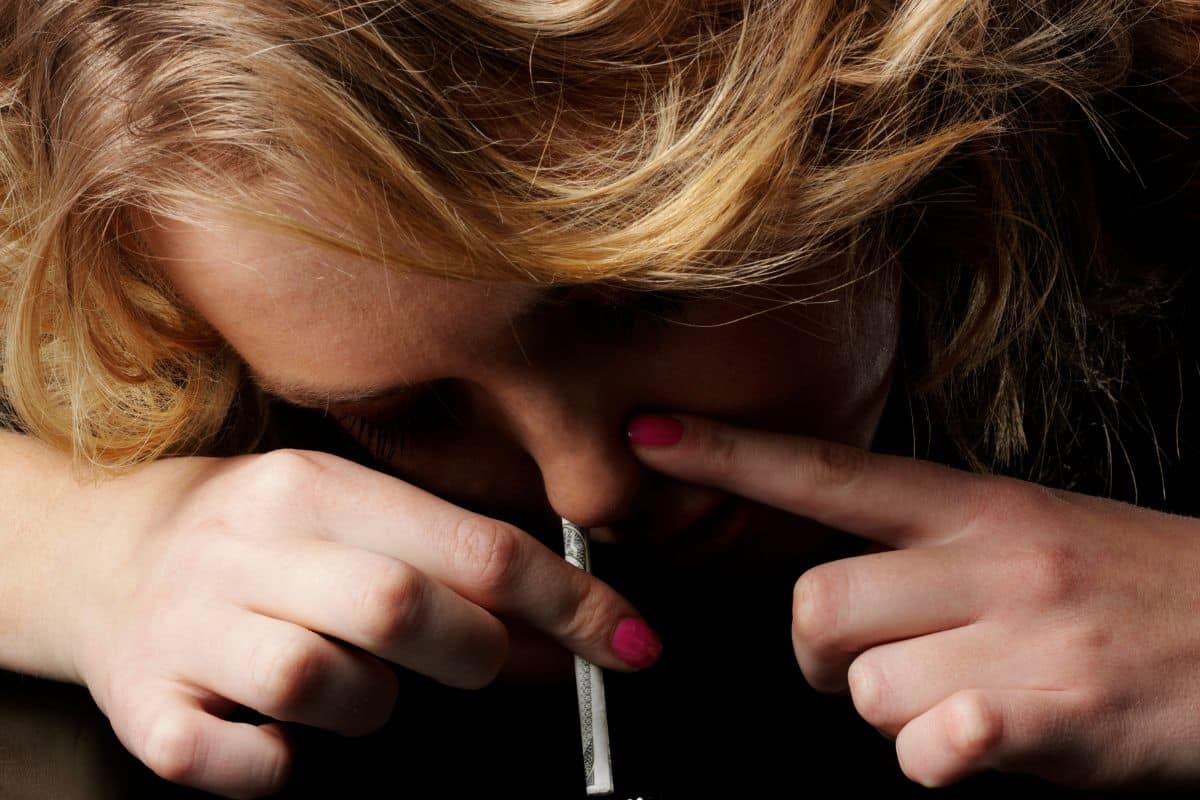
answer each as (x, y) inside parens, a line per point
(589, 685)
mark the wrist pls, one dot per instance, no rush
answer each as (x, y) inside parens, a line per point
(39, 589)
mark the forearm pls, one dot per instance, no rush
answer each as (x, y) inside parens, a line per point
(41, 550)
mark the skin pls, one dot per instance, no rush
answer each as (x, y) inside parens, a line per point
(997, 624)
(537, 428)
(227, 582)
(1005, 625)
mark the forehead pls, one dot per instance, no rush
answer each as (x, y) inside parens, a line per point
(302, 314)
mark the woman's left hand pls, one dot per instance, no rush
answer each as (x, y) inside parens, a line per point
(1013, 626)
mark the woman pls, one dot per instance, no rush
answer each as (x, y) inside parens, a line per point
(650, 267)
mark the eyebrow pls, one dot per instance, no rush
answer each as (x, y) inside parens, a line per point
(300, 394)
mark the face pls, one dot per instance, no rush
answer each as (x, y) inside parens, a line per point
(512, 400)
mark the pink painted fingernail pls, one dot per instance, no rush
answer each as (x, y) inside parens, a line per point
(635, 644)
(654, 430)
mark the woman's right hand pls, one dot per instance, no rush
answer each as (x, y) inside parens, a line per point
(218, 582)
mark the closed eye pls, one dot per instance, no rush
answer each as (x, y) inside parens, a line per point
(393, 435)
(601, 311)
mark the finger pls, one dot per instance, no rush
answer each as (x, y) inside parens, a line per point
(290, 673)
(841, 608)
(534, 657)
(487, 561)
(376, 603)
(979, 729)
(184, 744)
(900, 502)
(894, 683)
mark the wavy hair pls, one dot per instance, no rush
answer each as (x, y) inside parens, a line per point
(1025, 163)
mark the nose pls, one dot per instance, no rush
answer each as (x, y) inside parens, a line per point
(576, 436)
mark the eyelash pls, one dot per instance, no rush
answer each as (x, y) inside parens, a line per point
(385, 439)
(381, 439)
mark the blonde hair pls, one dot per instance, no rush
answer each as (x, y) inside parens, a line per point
(696, 143)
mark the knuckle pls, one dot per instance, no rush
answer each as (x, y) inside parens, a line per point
(1034, 497)
(829, 465)
(721, 448)
(989, 501)
(1051, 571)
(284, 672)
(486, 552)
(1000, 500)
(973, 728)
(1092, 643)
(282, 475)
(390, 603)
(868, 691)
(816, 609)
(173, 747)
(585, 618)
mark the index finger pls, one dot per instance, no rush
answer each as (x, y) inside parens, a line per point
(489, 562)
(897, 501)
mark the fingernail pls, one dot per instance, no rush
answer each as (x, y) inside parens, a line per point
(655, 430)
(635, 644)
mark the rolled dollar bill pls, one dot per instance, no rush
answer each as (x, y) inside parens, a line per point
(589, 685)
